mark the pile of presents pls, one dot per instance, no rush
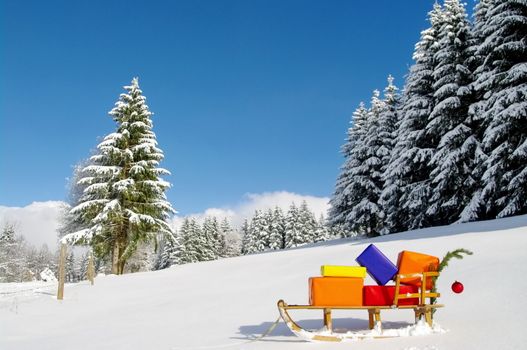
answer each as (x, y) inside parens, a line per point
(344, 285)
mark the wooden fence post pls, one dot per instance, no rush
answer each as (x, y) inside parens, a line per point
(62, 272)
(91, 269)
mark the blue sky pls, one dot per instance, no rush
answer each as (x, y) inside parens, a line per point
(249, 96)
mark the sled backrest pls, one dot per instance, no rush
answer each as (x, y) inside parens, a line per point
(423, 293)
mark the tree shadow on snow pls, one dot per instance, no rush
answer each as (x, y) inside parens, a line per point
(339, 325)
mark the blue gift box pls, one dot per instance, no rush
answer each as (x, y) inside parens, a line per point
(378, 266)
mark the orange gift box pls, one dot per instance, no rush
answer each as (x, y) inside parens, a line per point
(334, 291)
(411, 262)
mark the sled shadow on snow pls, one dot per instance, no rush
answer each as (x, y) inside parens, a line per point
(281, 330)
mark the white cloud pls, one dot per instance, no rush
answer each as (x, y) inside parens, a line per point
(261, 201)
(37, 222)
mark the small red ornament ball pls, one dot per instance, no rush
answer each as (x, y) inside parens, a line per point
(457, 287)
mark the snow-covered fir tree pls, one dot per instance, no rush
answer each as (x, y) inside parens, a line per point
(232, 246)
(294, 229)
(340, 231)
(206, 240)
(168, 252)
(190, 241)
(478, 35)
(246, 237)
(11, 255)
(366, 216)
(82, 266)
(274, 238)
(251, 239)
(409, 168)
(143, 259)
(210, 242)
(342, 201)
(449, 127)
(124, 201)
(201, 243)
(276, 222)
(103, 265)
(69, 222)
(37, 260)
(71, 268)
(451, 159)
(323, 232)
(501, 88)
(259, 231)
(308, 222)
(20, 261)
(221, 239)
(387, 132)
(388, 118)
(473, 209)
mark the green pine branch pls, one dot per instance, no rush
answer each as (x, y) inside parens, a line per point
(458, 254)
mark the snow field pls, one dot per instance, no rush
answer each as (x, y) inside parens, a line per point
(220, 304)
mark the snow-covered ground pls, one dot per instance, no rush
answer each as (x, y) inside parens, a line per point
(12, 294)
(221, 304)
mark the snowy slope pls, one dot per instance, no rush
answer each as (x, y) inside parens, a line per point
(221, 303)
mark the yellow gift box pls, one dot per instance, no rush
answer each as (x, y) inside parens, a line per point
(342, 271)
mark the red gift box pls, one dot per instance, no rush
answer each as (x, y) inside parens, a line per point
(383, 295)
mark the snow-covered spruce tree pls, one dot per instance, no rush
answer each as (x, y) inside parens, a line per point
(387, 133)
(295, 234)
(323, 232)
(366, 216)
(82, 266)
(143, 258)
(250, 239)
(166, 248)
(478, 35)
(259, 230)
(212, 239)
(124, 202)
(275, 234)
(501, 88)
(38, 260)
(221, 243)
(11, 255)
(449, 126)
(190, 249)
(279, 221)
(232, 240)
(218, 239)
(69, 222)
(71, 269)
(187, 252)
(474, 209)
(388, 118)
(309, 222)
(245, 233)
(409, 167)
(341, 203)
(102, 265)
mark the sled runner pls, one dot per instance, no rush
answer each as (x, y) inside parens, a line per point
(422, 310)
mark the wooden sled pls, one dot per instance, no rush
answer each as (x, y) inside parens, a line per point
(423, 310)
